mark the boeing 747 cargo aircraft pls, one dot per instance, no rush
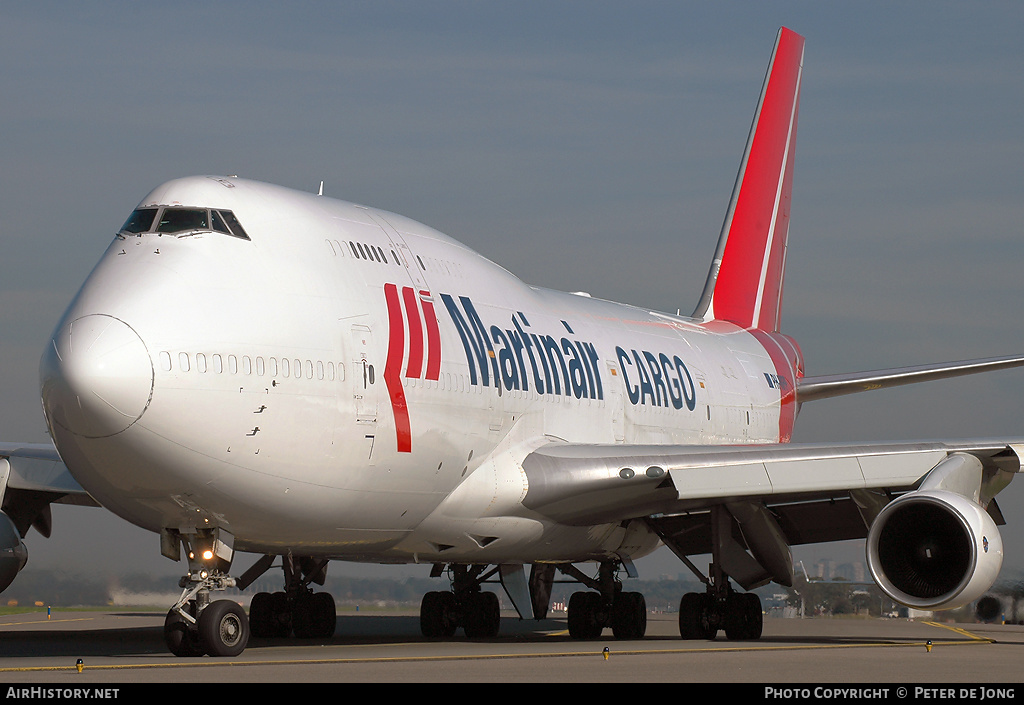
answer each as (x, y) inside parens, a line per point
(268, 378)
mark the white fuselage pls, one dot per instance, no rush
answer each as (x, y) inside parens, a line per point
(352, 384)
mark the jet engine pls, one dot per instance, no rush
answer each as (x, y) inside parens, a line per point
(13, 553)
(934, 550)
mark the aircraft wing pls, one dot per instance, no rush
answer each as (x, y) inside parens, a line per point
(584, 484)
(587, 484)
(823, 387)
(751, 503)
(37, 467)
(35, 451)
(32, 476)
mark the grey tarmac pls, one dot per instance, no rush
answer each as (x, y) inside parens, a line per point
(386, 647)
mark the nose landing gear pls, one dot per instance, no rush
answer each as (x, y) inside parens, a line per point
(195, 625)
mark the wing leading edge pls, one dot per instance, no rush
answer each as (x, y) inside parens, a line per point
(32, 476)
(823, 387)
(587, 484)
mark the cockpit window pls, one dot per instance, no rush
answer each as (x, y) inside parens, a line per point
(140, 221)
(174, 219)
(218, 223)
(236, 227)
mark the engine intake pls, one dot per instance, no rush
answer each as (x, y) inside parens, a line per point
(934, 549)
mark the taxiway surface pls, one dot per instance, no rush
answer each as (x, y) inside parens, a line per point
(127, 647)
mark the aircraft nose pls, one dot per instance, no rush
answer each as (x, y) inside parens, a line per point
(96, 377)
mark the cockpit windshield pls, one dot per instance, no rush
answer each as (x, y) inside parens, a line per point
(140, 221)
(178, 220)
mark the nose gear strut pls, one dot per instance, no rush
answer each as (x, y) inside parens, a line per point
(194, 625)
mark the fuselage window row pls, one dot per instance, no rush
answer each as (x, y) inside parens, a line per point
(440, 266)
(372, 253)
(288, 367)
(294, 368)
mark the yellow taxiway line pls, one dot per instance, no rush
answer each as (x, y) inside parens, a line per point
(970, 640)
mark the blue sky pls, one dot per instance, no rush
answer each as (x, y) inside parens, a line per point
(582, 145)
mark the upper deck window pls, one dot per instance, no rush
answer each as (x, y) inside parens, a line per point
(175, 220)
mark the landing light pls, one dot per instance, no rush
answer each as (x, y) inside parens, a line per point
(207, 555)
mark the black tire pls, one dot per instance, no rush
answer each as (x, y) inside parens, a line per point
(483, 616)
(261, 616)
(629, 616)
(325, 614)
(181, 637)
(302, 617)
(583, 619)
(437, 615)
(223, 628)
(303, 623)
(756, 616)
(280, 616)
(694, 622)
(743, 618)
(314, 616)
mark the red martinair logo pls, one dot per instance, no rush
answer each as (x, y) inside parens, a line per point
(410, 319)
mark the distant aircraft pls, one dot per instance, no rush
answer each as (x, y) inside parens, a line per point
(252, 369)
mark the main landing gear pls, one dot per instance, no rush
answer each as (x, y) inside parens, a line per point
(762, 556)
(476, 611)
(590, 612)
(467, 606)
(604, 605)
(701, 615)
(297, 610)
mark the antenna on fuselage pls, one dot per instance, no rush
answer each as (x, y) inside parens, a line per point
(321, 191)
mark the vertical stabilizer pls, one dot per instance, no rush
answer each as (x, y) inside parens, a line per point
(744, 285)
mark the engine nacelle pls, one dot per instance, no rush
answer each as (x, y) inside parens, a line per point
(13, 553)
(934, 550)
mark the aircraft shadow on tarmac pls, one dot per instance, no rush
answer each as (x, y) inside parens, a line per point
(82, 643)
(124, 641)
(383, 629)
